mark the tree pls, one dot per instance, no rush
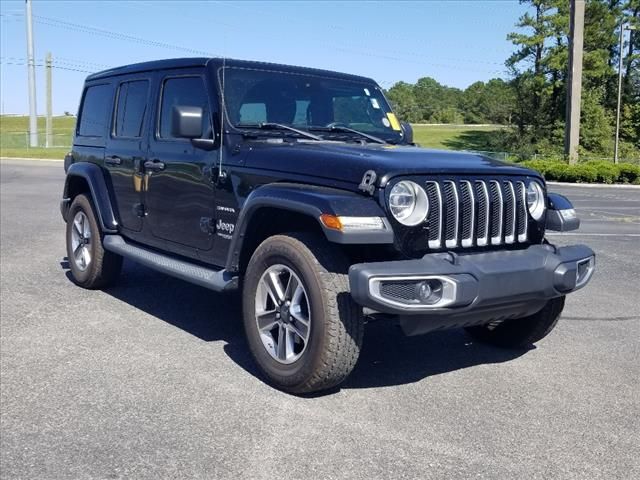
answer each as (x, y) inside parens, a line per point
(539, 74)
(404, 102)
(433, 97)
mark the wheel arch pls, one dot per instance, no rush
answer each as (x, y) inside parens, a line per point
(283, 207)
(88, 178)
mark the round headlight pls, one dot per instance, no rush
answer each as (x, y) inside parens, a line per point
(535, 200)
(408, 203)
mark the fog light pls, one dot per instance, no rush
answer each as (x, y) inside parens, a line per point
(414, 292)
(424, 291)
(429, 291)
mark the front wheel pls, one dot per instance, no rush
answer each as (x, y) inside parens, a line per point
(521, 332)
(303, 329)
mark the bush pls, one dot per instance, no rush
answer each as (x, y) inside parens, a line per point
(589, 172)
(605, 172)
(629, 173)
(583, 174)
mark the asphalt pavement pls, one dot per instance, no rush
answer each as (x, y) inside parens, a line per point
(152, 379)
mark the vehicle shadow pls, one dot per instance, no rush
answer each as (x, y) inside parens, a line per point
(388, 357)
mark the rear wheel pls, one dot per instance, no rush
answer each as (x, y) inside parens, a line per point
(521, 332)
(303, 329)
(90, 264)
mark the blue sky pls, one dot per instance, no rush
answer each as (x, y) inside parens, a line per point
(455, 42)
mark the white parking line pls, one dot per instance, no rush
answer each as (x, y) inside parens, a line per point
(567, 234)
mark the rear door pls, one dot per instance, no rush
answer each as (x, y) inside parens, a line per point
(127, 148)
(179, 196)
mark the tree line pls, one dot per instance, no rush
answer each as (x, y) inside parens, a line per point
(532, 100)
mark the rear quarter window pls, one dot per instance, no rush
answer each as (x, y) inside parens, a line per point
(96, 111)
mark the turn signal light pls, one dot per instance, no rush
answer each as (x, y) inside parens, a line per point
(352, 223)
(331, 221)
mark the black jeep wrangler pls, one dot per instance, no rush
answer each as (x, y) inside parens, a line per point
(302, 188)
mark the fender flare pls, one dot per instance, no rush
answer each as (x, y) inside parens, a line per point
(312, 201)
(99, 191)
(561, 216)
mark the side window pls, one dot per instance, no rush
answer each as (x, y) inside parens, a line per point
(186, 92)
(96, 109)
(132, 104)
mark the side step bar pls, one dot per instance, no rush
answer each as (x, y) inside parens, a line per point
(217, 280)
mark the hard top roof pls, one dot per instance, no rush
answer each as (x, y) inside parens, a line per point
(174, 63)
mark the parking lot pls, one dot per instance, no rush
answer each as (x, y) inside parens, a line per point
(151, 378)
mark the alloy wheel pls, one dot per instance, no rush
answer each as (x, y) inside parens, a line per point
(81, 241)
(282, 313)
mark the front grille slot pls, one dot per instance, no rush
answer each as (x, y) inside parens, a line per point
(476, 213)
(435, 214)
(451, 208)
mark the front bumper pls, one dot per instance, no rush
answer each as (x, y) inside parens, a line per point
(474, 288)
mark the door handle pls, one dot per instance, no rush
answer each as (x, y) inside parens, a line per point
(113, 160)
(154, 165)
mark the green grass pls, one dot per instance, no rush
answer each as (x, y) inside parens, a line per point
(13, 137)
(455, 137)
(55, 153)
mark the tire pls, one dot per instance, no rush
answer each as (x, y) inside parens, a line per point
(521, 332)
(335, 322)
(90, 264)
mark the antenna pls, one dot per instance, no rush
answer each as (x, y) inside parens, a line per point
(222, 108)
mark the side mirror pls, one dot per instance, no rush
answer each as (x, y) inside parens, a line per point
(186, 122)
(407, 129)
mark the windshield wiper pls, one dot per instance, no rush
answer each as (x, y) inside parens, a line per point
(279, 126)
(340, 128)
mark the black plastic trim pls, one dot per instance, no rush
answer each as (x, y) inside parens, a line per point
(500, 278)
(94, 177)
(217, 280)
(312, 201)
(555, 220)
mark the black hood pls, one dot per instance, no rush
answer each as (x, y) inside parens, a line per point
(345, 162)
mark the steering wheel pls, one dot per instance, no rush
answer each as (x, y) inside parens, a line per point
(336, 124)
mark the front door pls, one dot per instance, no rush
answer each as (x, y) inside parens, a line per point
(126, 150)
(179, 192)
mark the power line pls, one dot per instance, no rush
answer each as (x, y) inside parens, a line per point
(40, 64)
(391, 55)
(363, 33)
(63, 24)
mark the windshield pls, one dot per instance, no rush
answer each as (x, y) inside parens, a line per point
(308, 102)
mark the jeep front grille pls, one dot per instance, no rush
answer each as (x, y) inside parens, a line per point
(469, 213)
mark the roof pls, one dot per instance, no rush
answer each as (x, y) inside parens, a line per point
(203, 61)
(150, 66)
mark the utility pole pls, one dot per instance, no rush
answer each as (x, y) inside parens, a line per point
(617, 144)
(574, 93)
(31, 68)
(49, 127)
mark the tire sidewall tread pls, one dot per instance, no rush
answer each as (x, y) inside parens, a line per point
(336, 321)
(105, 266)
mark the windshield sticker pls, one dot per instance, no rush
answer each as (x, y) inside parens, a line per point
(395, 124)
(386, 122)
(375, 104)
(366, 92)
